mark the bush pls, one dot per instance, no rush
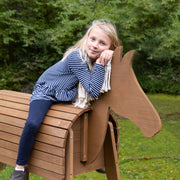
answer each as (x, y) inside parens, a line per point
(35, 34)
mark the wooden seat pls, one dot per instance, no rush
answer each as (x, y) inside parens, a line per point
(48, 156)
(60, 144)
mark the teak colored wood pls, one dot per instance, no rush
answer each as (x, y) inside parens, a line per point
(72, 140)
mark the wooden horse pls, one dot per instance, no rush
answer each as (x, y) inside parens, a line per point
(127, 99)
(92, 133)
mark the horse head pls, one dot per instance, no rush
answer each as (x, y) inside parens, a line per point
(126, 98)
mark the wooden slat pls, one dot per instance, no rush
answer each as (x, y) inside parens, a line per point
(61, 123)
(13, 112)
(8, 145)
(50, 140)
(59, 170)
(63, 115)
(8, 153)
(70, 108)
(10, 129)
(49, 148)
(54, 150)
(9, 137)
(48, 157)
(53, 131)
(48, 121)
(15, 93)
(14, 99)
(11, 151)
(25, 107)
(48, 166)
(40, 137)
(7, 160)
(14, 105)
(12, 120)
(39, 171)
(24, 99)
(46, 174)
(24, 114)
(45, 164)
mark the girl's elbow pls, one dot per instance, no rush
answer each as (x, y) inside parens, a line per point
(94, 94)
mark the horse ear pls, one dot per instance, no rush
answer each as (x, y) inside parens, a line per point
(128, 58)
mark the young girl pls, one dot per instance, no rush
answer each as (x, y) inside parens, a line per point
(59, 83)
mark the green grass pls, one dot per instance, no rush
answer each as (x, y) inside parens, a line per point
(156, 158)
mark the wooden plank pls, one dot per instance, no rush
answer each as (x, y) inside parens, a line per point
(10, 129)
(84, 137)
(9, 104)
(46, 129)
(12, 153)
(24, 114)
(46, 165)
(12, 120)
(9, 137)
(8, 145)
(63, 115)
(62, 123)
(46, 174)
(8, 153)
(66, 108)
(36, 170)
(70, 108)
(25, 107)
(58, 168)
(53, 131)
(54, 150)
(13, 112)
(48, 121)
(14, 99)
(23, 97)
(48, 157)
(7, 160)
(40, 137)
(50, 140)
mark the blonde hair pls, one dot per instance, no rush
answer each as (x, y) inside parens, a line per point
(108, 28)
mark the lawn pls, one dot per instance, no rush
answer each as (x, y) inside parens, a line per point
(156, 158)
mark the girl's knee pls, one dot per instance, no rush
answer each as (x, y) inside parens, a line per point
(32, 126)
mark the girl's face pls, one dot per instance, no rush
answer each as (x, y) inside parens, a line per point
(97, 42)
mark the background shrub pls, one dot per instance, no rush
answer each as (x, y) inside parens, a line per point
(34, 34)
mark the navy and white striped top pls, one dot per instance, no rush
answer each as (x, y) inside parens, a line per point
(60, 81)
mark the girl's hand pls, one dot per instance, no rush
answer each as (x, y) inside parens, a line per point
(105, 57)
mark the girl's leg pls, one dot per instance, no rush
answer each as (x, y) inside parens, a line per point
(37, 112)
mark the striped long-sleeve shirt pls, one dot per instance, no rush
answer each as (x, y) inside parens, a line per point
(60, 81)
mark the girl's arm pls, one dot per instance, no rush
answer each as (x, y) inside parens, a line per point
(92, 83)
(105, 56)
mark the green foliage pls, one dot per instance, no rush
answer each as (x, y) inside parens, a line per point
(36, 33)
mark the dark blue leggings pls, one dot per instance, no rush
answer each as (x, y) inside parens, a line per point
(37, 112)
